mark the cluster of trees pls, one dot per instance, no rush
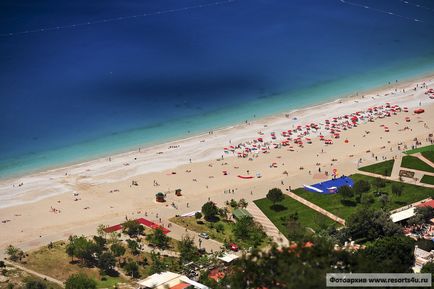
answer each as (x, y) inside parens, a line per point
(104, 253)
(91, 252)
(367, 224)
(422, 215)
(302, 266)
(245, 229)
(242, 203)
(248, 231)
(357, 192)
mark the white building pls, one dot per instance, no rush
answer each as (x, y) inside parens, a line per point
(169, 280)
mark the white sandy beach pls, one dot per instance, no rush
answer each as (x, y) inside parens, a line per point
(100, 191)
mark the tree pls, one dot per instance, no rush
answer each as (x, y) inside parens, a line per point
(242, 203)
(14, 253)
(224, 212)
(198, 215)
(379, 183)
(245, 229)
(242, 227)
(80, 281)
(219, 227)
(422, 215)
(275, 196)
(100, 230)
(233, 203)
(117, 249)
(34, 284)
(158, 238)
(384, 200)
(427, 213)
(134, 247)
(367, 199)
(157, 265)
(187, 250)
(100, 242)
(387, 255)
(361, 186)
(296, 231)
(287, 268)
(346, 192)
(132, 228)
(209, 210)
(132, 269)
(107, 262)
(428, 268)
(397, 189)
(83, 249)
(367, 224)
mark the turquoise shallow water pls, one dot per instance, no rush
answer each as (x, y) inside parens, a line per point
(187, 126)
(81, 92)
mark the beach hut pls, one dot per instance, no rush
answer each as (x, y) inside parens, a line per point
(160, 197)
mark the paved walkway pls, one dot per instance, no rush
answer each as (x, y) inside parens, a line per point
(177, 232)
(48, 278)
(422, 158)
(316, 208)
(396, 168)
(269, 228)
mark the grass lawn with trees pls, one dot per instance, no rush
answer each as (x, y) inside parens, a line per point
(335, 204)
(429, 148)
(415, 163)
(426, 179)
(383, 168)
(56, 263)
(221, 230)
(306, 216)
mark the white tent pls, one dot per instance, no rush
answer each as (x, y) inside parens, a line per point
(227, 258)
(403, 215)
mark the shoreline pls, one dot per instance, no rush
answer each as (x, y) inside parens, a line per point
(184, 138)
(95, 168)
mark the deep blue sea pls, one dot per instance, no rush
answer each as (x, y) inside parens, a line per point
(94, 83)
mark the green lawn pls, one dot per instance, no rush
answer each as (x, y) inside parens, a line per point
(429, 155)
(415, 163)
(306, 216)
(426, 179)
(333, 203)
(383, 168)
(420, 150)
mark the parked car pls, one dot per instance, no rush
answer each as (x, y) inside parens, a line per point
(204, 235)
(234, 247)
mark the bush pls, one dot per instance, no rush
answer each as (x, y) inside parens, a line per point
(198, 215)
(361, 186)
(80, 281)
(346, 192)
